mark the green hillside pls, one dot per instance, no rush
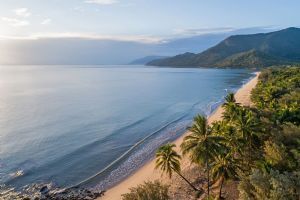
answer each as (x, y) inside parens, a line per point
(256, 50)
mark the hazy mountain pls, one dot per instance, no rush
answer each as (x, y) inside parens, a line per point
(253, 50)
(100, 51)
(144, 60)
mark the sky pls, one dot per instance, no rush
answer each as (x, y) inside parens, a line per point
(140, 20)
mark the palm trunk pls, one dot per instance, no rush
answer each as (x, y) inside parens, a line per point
(221, 186)
(179, 174)
(249, 151)
(207, 169)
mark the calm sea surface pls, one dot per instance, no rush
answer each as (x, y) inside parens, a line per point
(95, 125)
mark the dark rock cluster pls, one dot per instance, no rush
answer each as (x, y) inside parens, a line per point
(70, 194)
(49, 192)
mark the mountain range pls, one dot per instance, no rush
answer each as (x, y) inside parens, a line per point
(146, 59)
(252, 50)
(93, 51)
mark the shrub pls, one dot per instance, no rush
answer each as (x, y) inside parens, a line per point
(270, 186)
(148, 191)
(275, 154)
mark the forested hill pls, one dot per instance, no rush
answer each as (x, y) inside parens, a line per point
(255, 50)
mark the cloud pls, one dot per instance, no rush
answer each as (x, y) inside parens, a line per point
(46, 21)
(201, 31)
(78, 9)
(22, 12)
(15, 22)
(18, 20)
(102, 2)
(89, 36)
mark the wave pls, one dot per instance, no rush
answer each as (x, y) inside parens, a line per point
(128, 152)
(143, 154)
(212, 106)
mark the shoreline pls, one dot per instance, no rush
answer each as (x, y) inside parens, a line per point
(148, 173)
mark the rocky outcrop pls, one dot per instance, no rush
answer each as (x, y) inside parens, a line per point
(48, 192)
(70, 194)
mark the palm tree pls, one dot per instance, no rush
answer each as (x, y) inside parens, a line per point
(230, 107)
(269, 94)
(231, 138)
(201, 144)
(246, 126)
(229, 99)
(168, 160)
(224, 167)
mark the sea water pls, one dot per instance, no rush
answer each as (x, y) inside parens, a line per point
(95, 125)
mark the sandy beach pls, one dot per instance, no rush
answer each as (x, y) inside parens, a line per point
(148, 173)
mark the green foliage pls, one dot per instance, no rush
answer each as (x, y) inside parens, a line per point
(246, 123)
(277, 95)
(251, 58)
(230, 108)
(276, 175)
(167, 159)
(278, 92)
(270, 186)
(291, 139)
(225, 167)
(148, 191)
(201, 145)
(232, 142)
(275, 154)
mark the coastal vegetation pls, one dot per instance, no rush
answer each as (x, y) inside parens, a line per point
(148, 191)
(168, 161)
(262, 49)
(201, 145)
(257, 146)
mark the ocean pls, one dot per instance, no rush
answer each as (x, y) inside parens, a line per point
(95, 125)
